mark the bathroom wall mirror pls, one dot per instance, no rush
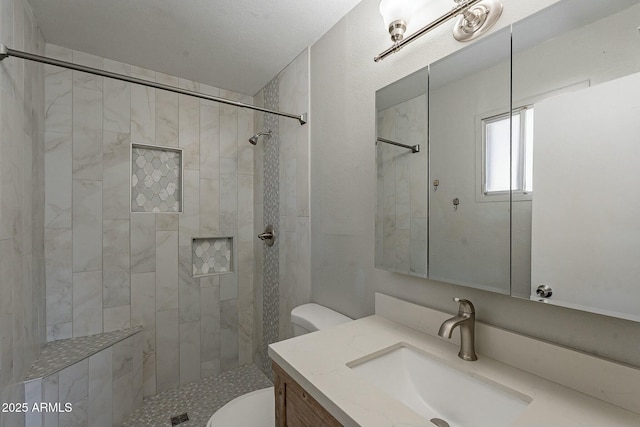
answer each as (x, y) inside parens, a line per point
(576, 70)
(469, 208)
(401, 156)
(532, 172)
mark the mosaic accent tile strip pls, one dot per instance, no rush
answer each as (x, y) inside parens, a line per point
(156, 181)
(198, 399)
(57, 355)
(271, 293)
(212, 256)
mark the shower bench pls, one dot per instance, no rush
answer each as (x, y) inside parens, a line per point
(88, 381)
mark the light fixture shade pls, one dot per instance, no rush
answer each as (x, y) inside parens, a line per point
(393, 10)
(406, 10)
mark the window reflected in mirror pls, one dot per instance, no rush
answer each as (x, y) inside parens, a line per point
(501, 149)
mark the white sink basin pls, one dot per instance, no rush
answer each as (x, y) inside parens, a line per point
(438, 391)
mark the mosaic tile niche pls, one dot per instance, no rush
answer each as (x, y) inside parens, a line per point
(212, 256)
(156, 179)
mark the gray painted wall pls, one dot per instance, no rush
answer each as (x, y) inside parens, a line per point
(344, 79)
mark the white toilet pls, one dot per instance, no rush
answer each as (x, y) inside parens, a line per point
(257, 409)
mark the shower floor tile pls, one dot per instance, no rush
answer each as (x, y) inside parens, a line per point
(199, 399)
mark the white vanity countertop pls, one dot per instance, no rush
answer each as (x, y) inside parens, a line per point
(318, 362)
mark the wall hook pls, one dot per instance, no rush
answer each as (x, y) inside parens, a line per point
(456, 202)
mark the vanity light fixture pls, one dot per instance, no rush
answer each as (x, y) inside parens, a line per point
(473, 18)
(397, 14)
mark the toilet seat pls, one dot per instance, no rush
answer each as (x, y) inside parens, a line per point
(255, 409)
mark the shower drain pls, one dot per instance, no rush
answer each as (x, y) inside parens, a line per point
(179, 419)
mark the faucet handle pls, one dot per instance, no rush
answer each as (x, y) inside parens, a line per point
(466, 307)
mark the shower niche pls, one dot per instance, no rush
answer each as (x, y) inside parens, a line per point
(156, 179)
(212, 256)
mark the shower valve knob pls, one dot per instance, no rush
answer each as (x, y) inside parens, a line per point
(268, 236)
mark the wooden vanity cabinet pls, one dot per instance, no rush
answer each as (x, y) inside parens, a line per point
(295, 407)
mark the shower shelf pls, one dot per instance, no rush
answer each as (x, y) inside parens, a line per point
(212, 256)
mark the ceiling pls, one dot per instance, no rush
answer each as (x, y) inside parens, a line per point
(239, 45)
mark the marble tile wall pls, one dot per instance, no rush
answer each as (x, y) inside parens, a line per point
(283, 276)
(401, 234)
(22, 288)
(108, 268)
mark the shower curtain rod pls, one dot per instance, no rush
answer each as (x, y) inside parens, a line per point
(413, 148)
(6, 52)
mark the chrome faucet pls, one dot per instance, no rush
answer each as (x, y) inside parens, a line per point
(466, 320)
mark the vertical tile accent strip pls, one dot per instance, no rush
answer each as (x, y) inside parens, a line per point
(270, 302)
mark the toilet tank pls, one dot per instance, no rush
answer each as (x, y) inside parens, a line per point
(314, 317)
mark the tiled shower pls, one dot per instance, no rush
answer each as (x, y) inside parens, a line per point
(132, 176)
(401, 231)
(134, 207)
